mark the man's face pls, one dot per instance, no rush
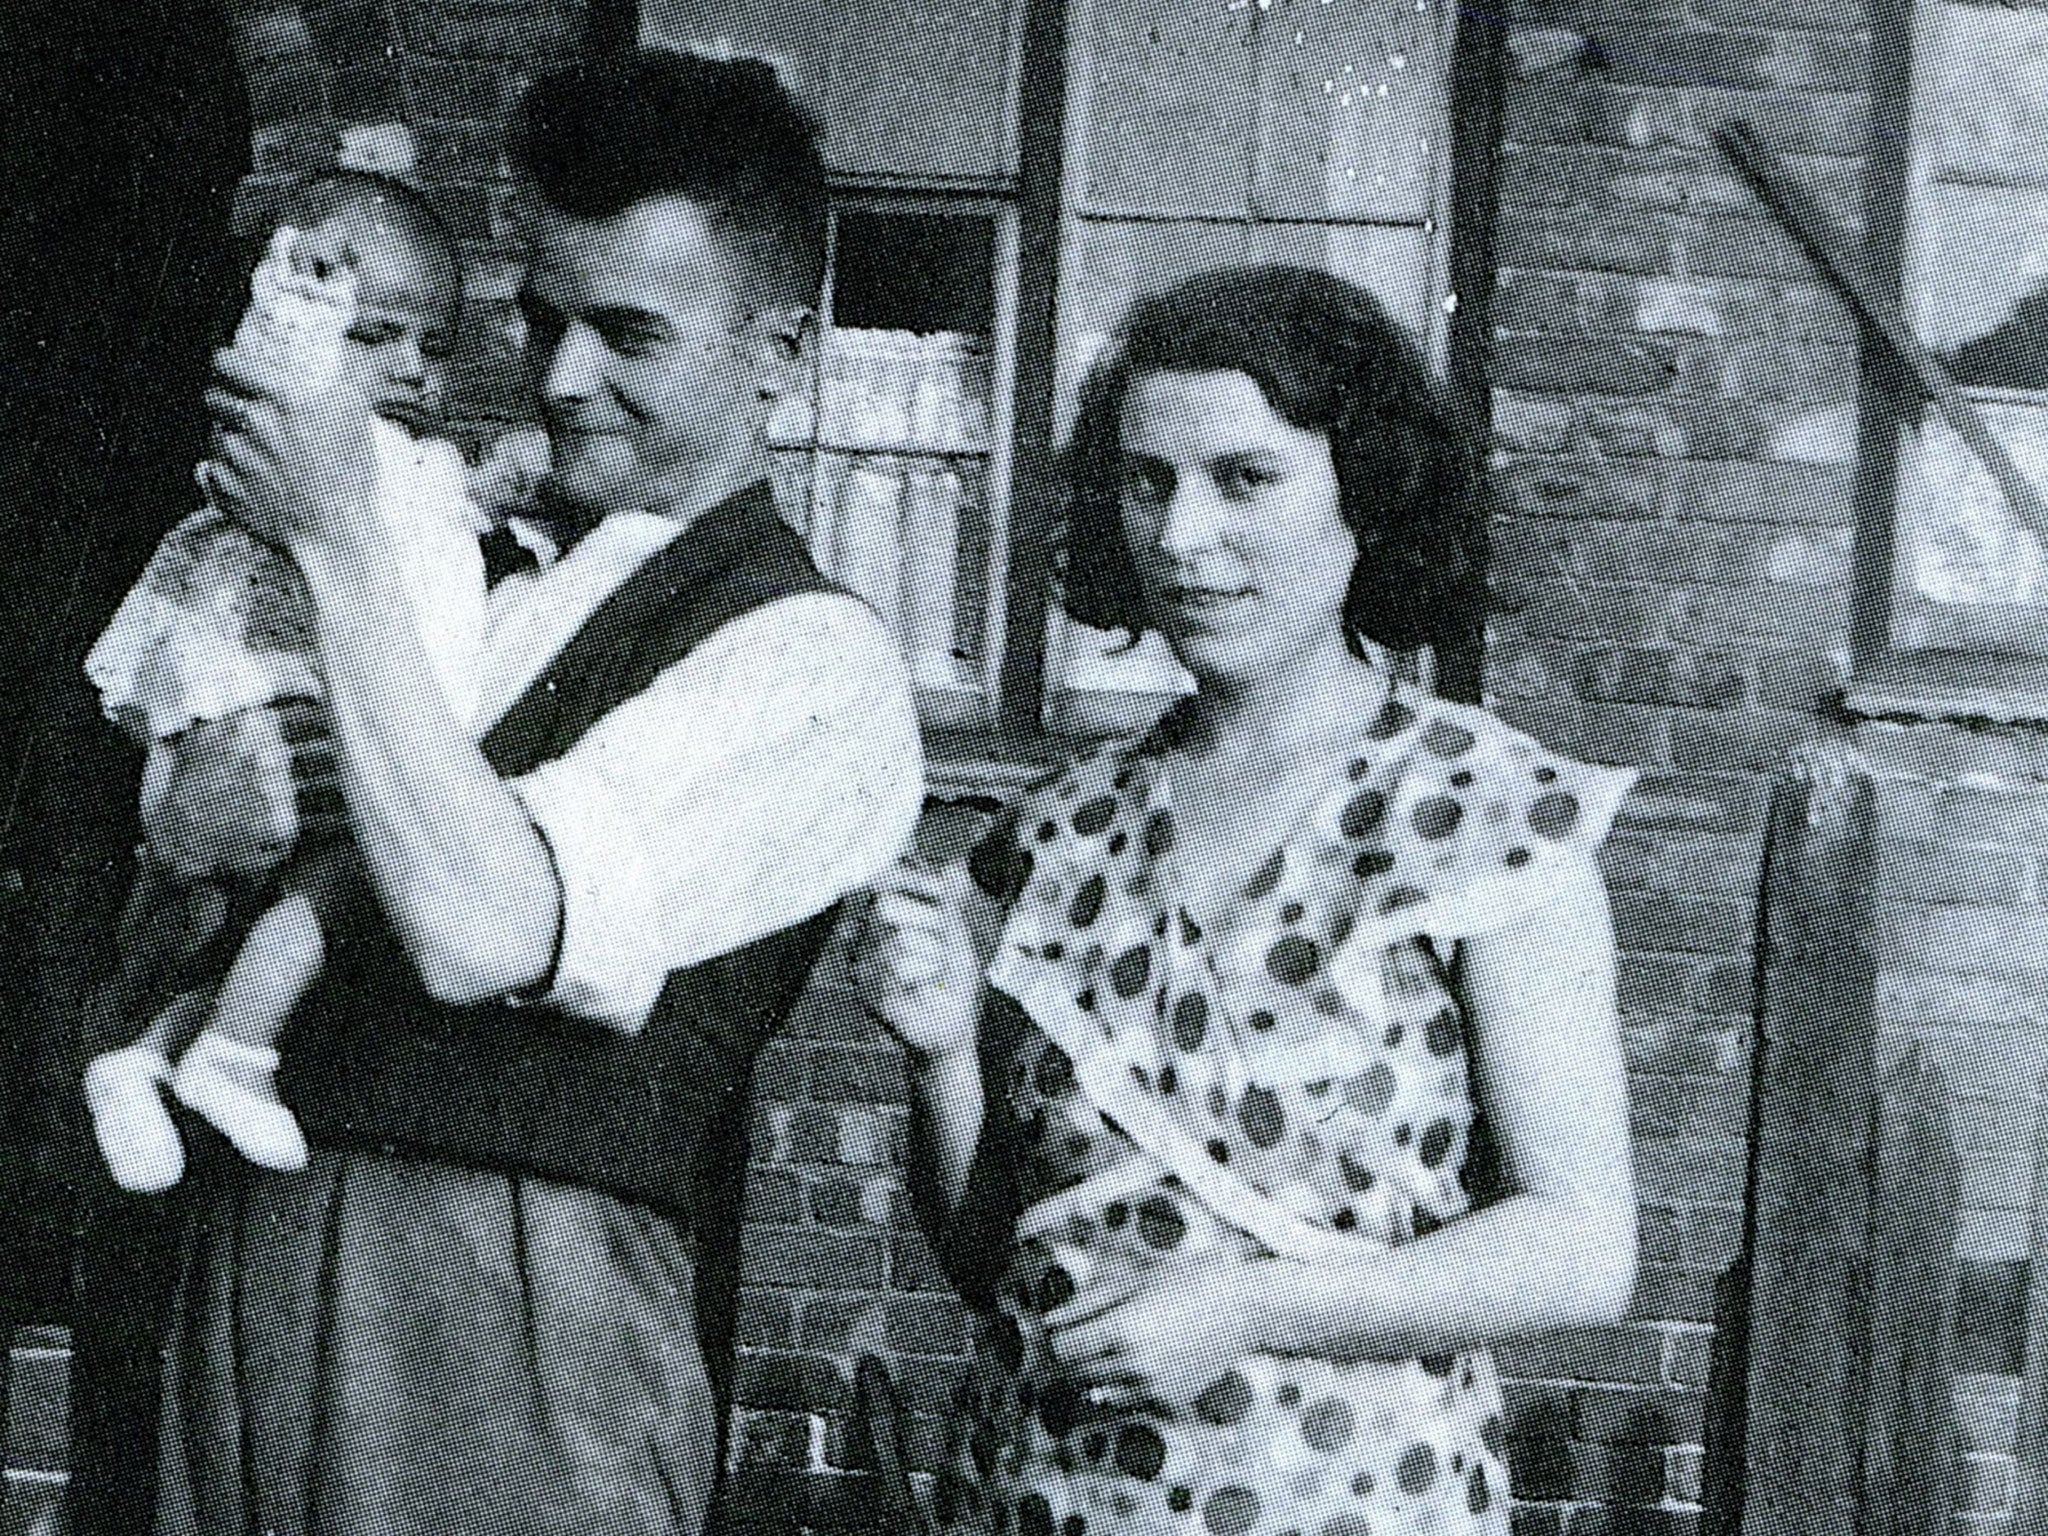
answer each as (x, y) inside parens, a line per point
(651, 367)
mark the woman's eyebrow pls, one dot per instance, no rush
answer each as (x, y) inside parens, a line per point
(625, 317)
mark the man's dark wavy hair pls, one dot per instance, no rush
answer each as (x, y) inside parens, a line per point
(597, 137)
(1329, 360)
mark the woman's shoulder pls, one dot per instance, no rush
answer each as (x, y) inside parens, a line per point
(1084, 788)
(1501, 777)
(1456, 820)
(1449, 729)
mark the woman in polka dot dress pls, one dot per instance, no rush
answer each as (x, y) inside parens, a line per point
(1247, 978)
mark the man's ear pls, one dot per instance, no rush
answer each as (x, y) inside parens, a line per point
(783, 338)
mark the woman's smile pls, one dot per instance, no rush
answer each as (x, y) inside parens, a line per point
(1208, 600)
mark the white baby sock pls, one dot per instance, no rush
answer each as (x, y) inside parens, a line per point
(233, 1086)
(130, 1121)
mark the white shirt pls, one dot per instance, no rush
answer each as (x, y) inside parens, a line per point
(754, 783)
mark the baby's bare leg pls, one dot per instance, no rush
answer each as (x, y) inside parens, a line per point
(279, 960)
(229, 1076)
(283, 953)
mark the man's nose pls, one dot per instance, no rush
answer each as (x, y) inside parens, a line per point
(408, 364)
(574, 368)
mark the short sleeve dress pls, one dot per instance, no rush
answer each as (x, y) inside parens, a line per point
(1286, 1076)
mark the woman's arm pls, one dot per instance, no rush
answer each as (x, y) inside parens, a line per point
(919, 963)
(948, 1106)
(1559, 1252)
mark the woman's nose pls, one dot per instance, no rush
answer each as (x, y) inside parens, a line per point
(1194, 520)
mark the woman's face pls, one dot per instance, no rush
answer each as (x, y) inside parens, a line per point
(1233, 518)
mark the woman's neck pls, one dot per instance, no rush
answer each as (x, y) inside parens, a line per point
(1327, 690)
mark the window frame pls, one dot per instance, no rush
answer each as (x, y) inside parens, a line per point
(1011, 742)
(1969, 661)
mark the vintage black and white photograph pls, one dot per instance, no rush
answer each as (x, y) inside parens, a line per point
(1024, 768)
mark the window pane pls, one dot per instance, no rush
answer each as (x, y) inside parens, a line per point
(1978, 286)
(922, 92)
(1352, 108)
(1165, 101)
(1963, 545)
(1976, 291)
(896, 470)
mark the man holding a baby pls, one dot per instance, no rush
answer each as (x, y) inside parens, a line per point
(498, 1297)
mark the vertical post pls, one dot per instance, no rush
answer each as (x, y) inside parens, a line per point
(1810, 1188)
(1478, 76)
(1034, 479)
(2030, 1512)
(1909, 1453)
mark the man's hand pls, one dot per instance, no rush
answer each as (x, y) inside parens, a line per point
(292, 451)
(293, 464)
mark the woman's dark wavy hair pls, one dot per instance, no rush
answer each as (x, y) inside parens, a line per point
(1329, 360)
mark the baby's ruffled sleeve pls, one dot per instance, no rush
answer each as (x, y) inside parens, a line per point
(218, 621)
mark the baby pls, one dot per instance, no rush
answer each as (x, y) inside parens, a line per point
(213, 652)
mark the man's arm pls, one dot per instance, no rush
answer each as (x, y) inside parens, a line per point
(760, 779)
(463, 875)
(753, 784)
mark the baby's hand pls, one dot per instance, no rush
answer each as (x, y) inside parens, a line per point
(302, 301)
(509, 476)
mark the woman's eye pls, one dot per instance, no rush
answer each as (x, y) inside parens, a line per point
(1146, 485)
(372, 335)
(1243, 479)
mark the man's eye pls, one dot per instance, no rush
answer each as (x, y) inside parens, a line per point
(373, 334)
(628, 342)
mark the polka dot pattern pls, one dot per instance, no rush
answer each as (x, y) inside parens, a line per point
(1306, 1042)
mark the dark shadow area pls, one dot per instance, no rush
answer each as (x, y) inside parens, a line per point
(1636, 1477)
(1991, 1317)
(2014, 356)
(127, 129)
(1540, 1450)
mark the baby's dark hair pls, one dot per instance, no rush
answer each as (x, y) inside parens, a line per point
(398, 205)
(597, 137)
(1329, 360)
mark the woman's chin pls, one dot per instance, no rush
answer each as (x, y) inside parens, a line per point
(1214, 658)
(1228, 659)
